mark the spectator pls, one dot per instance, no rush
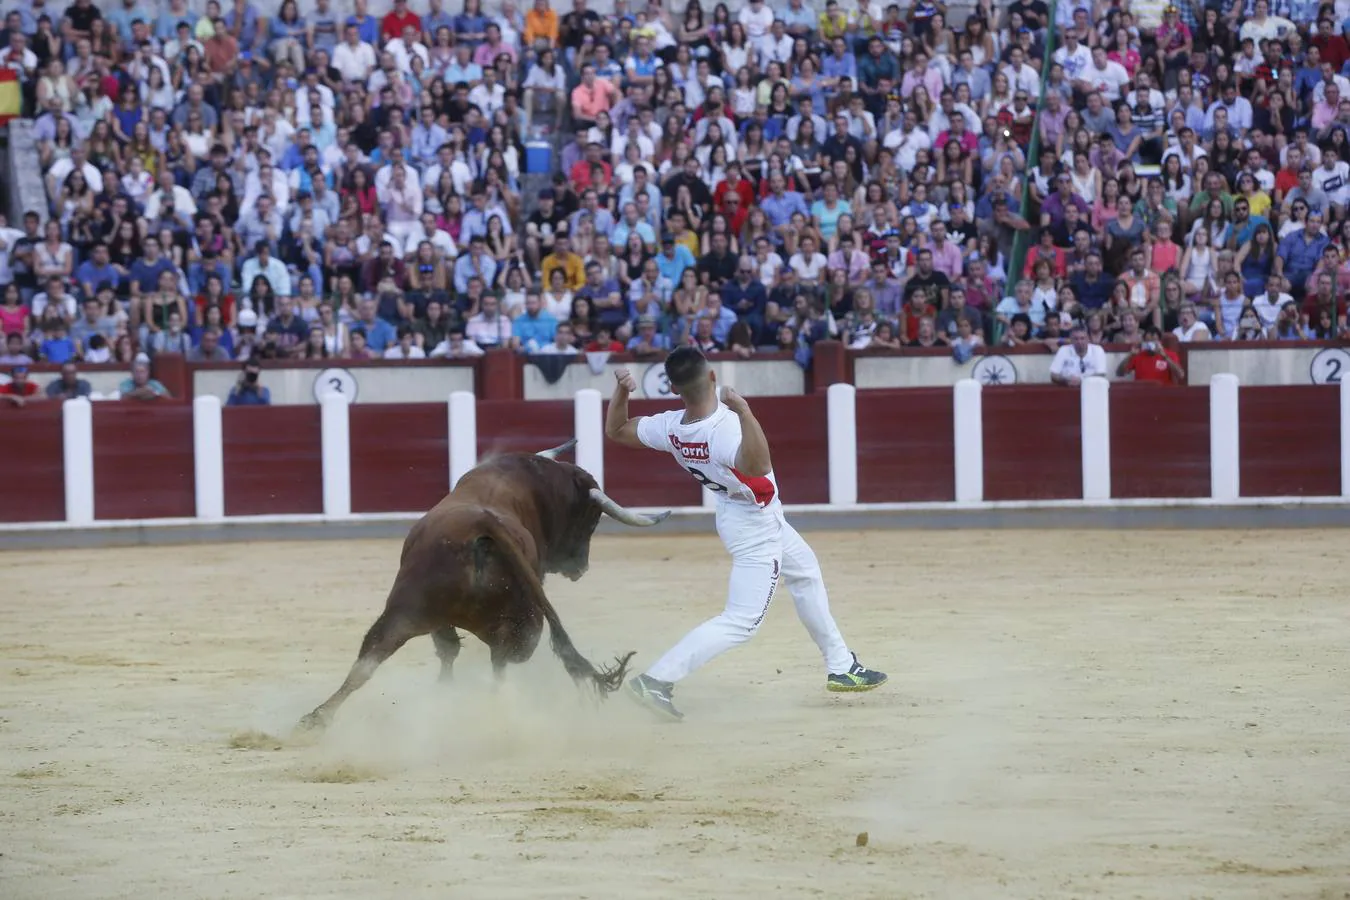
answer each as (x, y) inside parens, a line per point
(489, 328)
(535, 328)
(208, 348)
(1152, 362)
(377, 334)
(172, 338)
(1189, 327)
(564, 341)
(406, 347)
(140, 386)
(456, 346)
(19, 389)
(247, 390)
(563, 260)
(1077, 360)
(648, 341)
(70, 385)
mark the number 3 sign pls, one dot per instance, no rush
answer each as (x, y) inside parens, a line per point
(335, 381)
(655, 384)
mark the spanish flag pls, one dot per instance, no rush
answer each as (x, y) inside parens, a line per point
(11, 97)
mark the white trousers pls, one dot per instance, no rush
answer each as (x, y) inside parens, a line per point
(763, 547)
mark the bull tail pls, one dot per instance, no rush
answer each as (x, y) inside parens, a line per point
(480, 550)
(603, 680)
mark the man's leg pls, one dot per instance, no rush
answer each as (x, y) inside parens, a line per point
(801, 572)
(749, 592)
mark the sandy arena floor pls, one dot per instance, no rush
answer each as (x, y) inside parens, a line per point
(1176, 727)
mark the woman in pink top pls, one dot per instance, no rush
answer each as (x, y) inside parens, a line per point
(1123, 53)
(1104, 210)
(13, 314)
(1166, 252)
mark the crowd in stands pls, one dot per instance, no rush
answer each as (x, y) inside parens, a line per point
(243, 180)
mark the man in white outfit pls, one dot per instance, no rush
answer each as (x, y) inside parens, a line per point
(722, 446)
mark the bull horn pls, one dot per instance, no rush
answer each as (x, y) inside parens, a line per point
(626, 516)
(558, 450)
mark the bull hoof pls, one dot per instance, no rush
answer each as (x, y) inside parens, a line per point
(315, 721)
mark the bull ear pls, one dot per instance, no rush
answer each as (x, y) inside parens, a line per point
(626, 516)
(558, 450)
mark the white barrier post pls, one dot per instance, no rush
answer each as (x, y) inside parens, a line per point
(335, 435)
(588, 425)
(1345, 437)
(1095, 396)
(1223, 437)
(968, 427)
(463, 425)
(77, 452)
(841, 416)
(208, 457)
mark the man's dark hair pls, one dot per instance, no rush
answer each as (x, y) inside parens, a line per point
(685, 366)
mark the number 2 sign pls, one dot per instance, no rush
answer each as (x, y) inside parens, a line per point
(1330, 366)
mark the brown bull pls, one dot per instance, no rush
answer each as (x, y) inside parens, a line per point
(477, 561)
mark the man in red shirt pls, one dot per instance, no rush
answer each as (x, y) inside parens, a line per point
(1153, 362)
(19, 389)
(1286, 179)
(1330, 46)
(392, 25)
(581, 174)
(734, 184)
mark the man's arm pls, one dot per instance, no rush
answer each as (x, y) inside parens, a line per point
(618, 426)
(752, 460)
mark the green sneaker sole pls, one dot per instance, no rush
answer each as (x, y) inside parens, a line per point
(852, 688)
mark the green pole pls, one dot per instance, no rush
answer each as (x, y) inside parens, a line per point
(1023, 238)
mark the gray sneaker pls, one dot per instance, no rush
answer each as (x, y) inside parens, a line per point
(857, 678)
(655, 695)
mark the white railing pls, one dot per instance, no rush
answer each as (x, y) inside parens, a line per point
(841, 419)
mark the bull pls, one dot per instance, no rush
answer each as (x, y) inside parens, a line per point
(477, 562)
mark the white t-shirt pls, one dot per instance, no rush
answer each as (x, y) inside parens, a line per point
(1107, 81)
(396, 352)
(1194, 333)
(707, 450)
(1075, 63)
(756, 24)
(1068, 363)
(1333, 181)
(808, 270)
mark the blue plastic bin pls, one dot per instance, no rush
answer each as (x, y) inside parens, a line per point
(538, 157)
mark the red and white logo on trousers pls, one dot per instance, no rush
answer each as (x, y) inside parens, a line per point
(695, 452)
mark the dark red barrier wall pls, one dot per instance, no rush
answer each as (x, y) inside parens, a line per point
(645, 477)
(1290, 440)
(513, 426)
(1159, 441)
(143, 466)
(905, 452)
(797, 433)
(1033, 449)
(273, 460)
(33, 469)
(400, 456)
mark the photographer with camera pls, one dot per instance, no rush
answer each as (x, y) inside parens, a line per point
(1152, 361)
(247, 391)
